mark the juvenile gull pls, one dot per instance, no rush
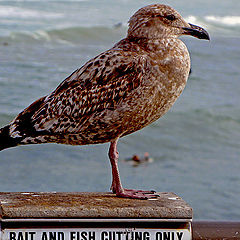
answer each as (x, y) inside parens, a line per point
(116, 93)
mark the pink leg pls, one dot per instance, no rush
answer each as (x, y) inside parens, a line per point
(116, 182)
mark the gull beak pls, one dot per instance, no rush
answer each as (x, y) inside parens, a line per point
(196, 31)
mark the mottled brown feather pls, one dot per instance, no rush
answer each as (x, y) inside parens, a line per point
(89, 92)
(119, 91)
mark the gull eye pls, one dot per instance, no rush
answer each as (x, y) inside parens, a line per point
(171, 17)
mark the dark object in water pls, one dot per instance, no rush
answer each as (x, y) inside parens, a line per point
(136, 160)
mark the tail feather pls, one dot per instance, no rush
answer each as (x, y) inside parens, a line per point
(6, 141)
(22, 125)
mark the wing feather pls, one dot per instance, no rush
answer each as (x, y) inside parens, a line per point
(102, 83)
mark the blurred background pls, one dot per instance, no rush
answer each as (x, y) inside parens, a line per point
(195, 146)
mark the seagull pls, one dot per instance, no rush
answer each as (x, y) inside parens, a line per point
(118, 92)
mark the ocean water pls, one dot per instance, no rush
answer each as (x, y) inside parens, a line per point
(195, 146)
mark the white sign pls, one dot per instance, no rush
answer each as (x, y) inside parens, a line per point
(96, 234)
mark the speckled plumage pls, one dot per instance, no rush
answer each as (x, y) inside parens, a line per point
(119, 91)
(116, 93)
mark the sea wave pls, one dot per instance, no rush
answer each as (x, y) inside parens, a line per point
(225, 20)
(24, 13)
(227, 26)
(16, 13)
(217, 24)
(69, 35)
(93, 34)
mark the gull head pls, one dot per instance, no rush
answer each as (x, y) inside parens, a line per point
(161, 21)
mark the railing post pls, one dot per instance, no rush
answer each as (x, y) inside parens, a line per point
(93, 216)
(215, 230)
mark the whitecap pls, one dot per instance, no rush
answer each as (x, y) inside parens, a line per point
(227, 20)
(17, 12)
(191, 19)
(195, 20)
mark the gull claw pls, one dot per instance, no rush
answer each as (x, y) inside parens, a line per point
(138, 194)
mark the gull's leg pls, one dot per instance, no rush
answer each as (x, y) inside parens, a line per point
(113, 156)
(116, 182)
